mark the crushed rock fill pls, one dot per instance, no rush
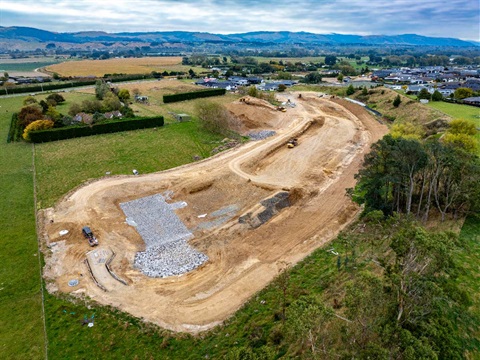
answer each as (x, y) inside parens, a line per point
(165, 235)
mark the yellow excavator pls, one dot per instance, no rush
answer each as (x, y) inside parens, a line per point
(292, 143)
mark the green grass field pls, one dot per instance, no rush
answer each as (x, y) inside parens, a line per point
(459, 111)
(21, 321)
(26, 66)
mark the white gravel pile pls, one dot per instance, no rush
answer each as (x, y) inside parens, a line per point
(165, 235)
(174, 258)
(261, 135)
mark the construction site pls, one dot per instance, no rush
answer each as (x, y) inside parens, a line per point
(187, 247)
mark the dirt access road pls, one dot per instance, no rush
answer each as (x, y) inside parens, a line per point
(244, 256)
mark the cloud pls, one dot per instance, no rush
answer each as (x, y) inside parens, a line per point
(445, 18)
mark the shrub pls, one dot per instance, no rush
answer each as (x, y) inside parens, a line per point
(105, 127)
(252, 91)
(350, 90)
(35, 126)
(29, 114)
(461, 126)
(29, 100)
(462, 141)
(424, 94)
(56, 97)
(192, 95)
(397, 101)
(124, 95)
(216, 118)
(437, 96)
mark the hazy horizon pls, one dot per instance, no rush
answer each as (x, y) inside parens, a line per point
(449, 19)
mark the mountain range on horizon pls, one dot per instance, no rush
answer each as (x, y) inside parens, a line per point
(27, 34)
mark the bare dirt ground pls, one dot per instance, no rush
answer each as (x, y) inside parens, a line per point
(333, 137)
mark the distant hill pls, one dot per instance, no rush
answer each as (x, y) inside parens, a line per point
(27, 34)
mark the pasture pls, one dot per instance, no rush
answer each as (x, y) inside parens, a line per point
(459, 111)
(21, 320)
(144, 65)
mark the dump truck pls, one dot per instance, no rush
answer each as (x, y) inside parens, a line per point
(292, 143)
(88, 234)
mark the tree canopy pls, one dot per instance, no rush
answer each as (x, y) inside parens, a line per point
(405, 175)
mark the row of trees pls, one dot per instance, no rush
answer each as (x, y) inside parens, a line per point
(414, 177)
(459, 94)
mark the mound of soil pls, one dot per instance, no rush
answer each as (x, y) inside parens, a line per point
(253, 113)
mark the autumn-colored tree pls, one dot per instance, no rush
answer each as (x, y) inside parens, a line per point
(37, 125)
(29, 114)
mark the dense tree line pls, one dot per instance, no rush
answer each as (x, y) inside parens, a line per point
(413, 177)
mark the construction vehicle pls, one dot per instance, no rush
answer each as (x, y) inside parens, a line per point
(292, 143)
(281, 108)
(87, 232)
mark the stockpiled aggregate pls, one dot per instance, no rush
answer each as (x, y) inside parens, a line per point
(167, 251)
(261, 135)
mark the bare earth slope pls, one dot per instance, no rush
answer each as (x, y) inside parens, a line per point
(243, 257)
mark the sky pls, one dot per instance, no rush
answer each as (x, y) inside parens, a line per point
(440, 18)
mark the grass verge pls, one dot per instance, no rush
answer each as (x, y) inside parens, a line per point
(21, 321)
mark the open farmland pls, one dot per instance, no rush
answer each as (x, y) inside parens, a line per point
(144, 65)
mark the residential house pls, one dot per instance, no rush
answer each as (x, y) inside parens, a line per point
(475, 101)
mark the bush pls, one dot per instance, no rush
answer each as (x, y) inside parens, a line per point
(29, 100)
(30, 113)
(424, 94)
(397, 101)
(105, 127)
(37, 125)
(56, 97)
(461, 126)
(192, 95)
(350, 90)
(437, 96)
(216, 118)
